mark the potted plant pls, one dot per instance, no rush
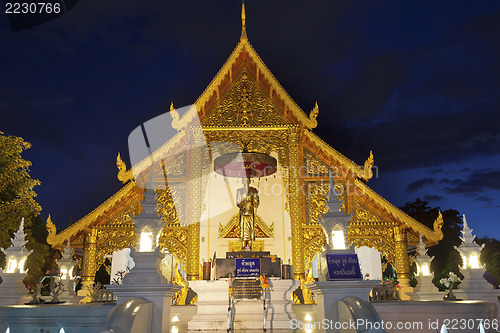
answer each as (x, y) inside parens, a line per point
(449, 282)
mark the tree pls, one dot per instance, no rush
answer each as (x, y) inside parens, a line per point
(490, 255)
(17, 197)
(446, 258)
(43, 257)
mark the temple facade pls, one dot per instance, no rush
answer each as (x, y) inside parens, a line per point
(245, 106)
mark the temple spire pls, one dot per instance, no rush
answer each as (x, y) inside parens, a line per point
(243, 25)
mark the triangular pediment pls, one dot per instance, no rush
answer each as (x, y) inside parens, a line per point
(244, 104)
(245, 93)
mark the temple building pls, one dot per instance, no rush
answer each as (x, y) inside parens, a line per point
(245, 107)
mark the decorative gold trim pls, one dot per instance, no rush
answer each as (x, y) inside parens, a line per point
(235, 246)
(232, 228)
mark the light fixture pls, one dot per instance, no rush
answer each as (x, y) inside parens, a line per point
(64, 273)
(146, 244)
(175, 318)
(21, 265)
(469, 250)
(11, 266)
(338, 240)
(474, 261)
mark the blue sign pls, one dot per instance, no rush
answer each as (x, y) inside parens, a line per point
(247, 266)
(343, 266)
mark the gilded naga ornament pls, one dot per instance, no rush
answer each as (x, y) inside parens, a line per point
(175, 117)
(438, 223)
(124, 175)
(51, 228)
(313, 123)
(367, 171)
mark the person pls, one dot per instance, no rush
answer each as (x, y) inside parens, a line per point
(247, 199)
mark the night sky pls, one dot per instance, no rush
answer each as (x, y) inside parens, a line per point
(417, 82)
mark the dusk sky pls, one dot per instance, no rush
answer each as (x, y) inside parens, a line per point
(417, 82)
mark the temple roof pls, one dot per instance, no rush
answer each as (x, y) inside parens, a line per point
(278, 111)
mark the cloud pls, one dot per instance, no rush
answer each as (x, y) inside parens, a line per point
(418, 184)
(434, 171)
(483, 199)
(432, 197)
(476, 182)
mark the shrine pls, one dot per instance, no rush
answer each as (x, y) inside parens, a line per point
(243, 176)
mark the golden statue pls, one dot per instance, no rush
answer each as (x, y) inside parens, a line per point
(247, 199)
(180, 297)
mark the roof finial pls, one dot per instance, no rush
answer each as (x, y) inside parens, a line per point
(243, 25)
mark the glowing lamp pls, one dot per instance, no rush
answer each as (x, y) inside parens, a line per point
(423, 261)
(21, 265)
(474, 261)
(64, 272)
(146, 244)
(338, 240)
(11, 265)
(469, 250)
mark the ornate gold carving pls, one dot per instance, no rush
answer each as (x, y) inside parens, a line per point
(124, 175)
(244, 104)
(317, 196)
(368, 229)
(175, 117)
(438, 224)
(51, 228)
(314, 166)
(90, 256)
(367, 171)
(380, 238)
(232, 228)
(257, 245)
(314, 241)
(167, 208)
(180, 297)
(243, 36)
(193, 252)
(402, 263)
(175, 240)
(313, 123)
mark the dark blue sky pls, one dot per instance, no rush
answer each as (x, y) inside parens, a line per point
(416, 82)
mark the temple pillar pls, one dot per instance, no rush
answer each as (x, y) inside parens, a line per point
(89, 265)
(295, 200)
(193, 252)
(402, 262)
(195, 200)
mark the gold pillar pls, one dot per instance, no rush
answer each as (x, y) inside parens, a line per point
(295, 199)
(89, 264)
(195, 200)
(402, 262)
(193, 252)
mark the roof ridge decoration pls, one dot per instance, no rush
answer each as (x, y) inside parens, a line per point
(123, 175)
(290, 107)
(243, 25)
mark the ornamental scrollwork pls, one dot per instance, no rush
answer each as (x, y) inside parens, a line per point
(317, 196)
(363, 216)
(314, 166)
(314, 242)
(175, 240)
(167, 208)
(244, 104)
(232, 228)
(380, 238)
